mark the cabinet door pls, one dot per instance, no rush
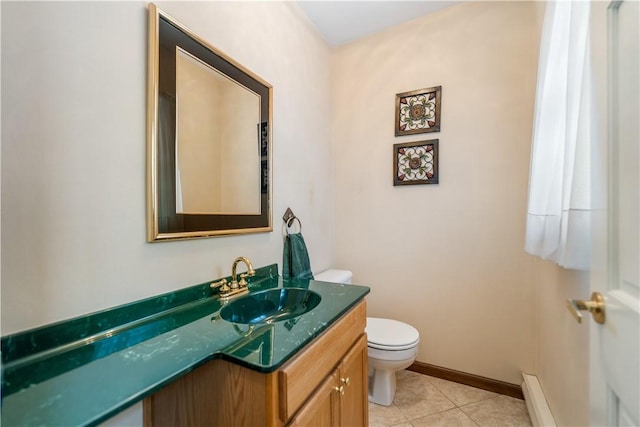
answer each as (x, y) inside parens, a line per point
(322, 408)
(218, 393)
(354, 407)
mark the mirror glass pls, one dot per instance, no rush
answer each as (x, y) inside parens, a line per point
(209, 138)
(216, 137)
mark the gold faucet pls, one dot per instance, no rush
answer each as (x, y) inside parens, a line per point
(250, 273)
(234, 288)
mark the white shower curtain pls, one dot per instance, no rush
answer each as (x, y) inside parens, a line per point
(558, 216)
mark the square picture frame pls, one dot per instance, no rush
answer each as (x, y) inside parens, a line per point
(418, 111)
(415, 163)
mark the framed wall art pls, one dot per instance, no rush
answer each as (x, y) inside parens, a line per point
(415, 163)
(418, 111)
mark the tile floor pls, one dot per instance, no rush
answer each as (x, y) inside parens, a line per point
(427, 401)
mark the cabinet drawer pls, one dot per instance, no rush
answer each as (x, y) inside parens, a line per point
(299, 377)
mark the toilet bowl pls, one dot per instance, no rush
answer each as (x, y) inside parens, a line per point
(392, 346)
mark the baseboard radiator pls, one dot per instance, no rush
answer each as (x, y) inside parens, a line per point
(537, 405)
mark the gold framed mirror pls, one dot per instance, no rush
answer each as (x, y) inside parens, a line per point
(208, 139)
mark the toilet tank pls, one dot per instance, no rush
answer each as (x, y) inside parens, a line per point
(336, 276)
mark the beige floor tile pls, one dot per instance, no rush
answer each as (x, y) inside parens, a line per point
(451, 418)
(518, 402)
(405, 374)
(461, 394)
(422, 400)
(496, 412)
(417, 397)
(384, 416)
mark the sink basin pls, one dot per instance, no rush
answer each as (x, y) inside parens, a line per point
(270, 306)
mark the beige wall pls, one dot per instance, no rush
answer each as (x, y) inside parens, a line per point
(198, 135)
(240, 162)
(563, 343)
(73, 151)
(445, 258)
(217, 124)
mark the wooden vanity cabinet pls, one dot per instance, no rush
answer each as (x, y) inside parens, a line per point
(322, 408)
(325, 384)
(339, 401)
(354, 403)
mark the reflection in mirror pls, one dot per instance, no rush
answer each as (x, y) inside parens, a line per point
(209, 139)
(217, 138)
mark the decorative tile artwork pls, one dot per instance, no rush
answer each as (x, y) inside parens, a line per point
(415, 163)
(418, 111)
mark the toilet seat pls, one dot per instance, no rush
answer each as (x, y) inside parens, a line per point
(375, 354)
(391, 347)
(390, 335)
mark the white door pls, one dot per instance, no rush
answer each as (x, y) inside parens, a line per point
(615, 345)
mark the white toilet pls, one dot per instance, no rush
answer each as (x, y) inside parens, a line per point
(392, 346)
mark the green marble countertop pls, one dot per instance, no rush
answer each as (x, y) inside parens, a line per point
(85, 370)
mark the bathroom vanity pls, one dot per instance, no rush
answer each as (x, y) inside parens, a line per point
(325, 384)
(192, 367)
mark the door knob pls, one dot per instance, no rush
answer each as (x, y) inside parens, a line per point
(595, 306)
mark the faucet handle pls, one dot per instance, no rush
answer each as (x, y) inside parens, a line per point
(222, 284)
(243, 279)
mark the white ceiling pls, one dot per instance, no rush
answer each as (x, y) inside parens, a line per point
(341, 22)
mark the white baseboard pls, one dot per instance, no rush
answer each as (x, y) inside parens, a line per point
(537, 405)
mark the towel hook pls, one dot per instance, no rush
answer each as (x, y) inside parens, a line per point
(289, 218)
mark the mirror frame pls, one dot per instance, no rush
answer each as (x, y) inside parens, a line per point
(188, 226)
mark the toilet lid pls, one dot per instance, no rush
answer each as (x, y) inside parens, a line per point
(388, 334)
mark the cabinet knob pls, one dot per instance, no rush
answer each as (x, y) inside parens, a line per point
(340, 390)
(345, 381)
